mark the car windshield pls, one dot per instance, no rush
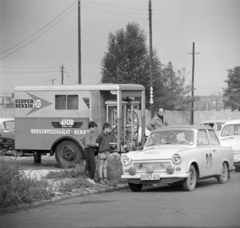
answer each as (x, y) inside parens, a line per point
(230, 130)
(174, 137)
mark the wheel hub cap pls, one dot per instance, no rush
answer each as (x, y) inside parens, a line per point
(68, 153)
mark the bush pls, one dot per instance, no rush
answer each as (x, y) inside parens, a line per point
(79, 176)
(78, 171)
(114, 171)
(16, 188)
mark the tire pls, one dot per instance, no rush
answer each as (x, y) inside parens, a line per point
(135, 187)
(223, 177)
(190, 183)
(68, 154)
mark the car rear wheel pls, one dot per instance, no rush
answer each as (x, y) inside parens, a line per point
(135, 187)
(190, 183)
(223, 177)
(68, 154)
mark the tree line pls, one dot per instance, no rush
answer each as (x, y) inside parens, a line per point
(126, 61)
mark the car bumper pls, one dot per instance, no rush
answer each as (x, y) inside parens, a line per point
(162, 176)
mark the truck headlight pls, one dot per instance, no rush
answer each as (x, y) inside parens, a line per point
(125, 160)
(176, 158)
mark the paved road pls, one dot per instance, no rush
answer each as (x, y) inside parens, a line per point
(27, 162)
(209, 205)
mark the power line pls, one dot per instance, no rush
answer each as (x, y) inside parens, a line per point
(71, 10)
(181, 13)
(30, 72)
(37, 31)
(124, 7)
(178, 3)
(60, 27)
(30, 67)
(111, 12)
(116, 5)
(87, 75)
(71, 69)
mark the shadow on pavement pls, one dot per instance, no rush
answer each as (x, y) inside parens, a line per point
(26, 162)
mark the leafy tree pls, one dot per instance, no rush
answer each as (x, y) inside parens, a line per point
(232, 93)
(127, 61)
(175, 94)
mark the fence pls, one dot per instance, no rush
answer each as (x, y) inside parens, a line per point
(184, 117)
(173, 117)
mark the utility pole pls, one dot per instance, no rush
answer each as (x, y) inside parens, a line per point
(62, 73)
(193, 65)
(79, 43)
(150, 47)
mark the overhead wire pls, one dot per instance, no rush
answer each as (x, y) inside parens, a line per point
(111, 12)
(11, 67)
(71, 9)
(30, 72)
(193, 4)
(114, 5)
(62, 28)
(193, 9)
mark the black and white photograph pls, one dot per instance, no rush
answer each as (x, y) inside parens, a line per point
(119, 113)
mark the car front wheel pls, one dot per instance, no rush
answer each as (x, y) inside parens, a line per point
(135, 187)
(190, 183)
(223, 177)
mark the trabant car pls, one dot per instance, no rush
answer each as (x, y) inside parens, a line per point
(217, 125)
(7, 137)
(179, 154)
(230, 136)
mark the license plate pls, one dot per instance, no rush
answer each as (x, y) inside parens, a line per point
(150, 177)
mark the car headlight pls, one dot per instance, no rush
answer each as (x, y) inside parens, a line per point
(176, 158)
(125, 160)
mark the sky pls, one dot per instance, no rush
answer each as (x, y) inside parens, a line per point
(38, 37)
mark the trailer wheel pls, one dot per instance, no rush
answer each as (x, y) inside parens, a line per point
(68, 154)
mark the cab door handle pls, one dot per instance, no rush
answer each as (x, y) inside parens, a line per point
(214, 151)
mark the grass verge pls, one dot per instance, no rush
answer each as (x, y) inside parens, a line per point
(79, 177)
(17, 188)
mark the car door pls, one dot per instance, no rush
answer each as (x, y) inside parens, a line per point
(208, 153)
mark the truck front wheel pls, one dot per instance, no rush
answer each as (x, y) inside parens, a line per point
(68, 154)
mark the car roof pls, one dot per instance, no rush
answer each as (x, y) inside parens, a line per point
(6, 119)
(182, 127)
(214, 121)
(237, 121)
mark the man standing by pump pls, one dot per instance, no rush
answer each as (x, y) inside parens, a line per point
(157, 121)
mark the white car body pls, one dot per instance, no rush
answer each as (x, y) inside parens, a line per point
(6, 124)
(230, 137)
(161, 161)
(217, 125)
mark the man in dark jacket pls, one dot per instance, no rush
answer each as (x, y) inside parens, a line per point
(157, 121)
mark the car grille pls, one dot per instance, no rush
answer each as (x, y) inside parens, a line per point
(162, 166)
